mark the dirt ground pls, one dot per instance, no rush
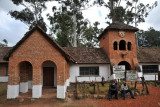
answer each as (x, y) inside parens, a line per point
(49, 100)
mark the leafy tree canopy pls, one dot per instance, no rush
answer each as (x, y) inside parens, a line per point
(4, 44)
(32, 12)
(133, 12)
(69, 24)
(149, 38)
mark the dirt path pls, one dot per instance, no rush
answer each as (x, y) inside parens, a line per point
(152, 100)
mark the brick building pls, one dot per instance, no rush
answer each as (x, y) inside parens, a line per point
(37, 60)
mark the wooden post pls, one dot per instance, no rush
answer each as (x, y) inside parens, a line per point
(76, 86)
(84, 90)
(143, 79)
(135, 86)
(94, 88)
(143, 85)
(146, 88)
(98, 87)
(155, 81)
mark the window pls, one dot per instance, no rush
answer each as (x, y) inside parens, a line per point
(129, 46)
(7, 71)
(150, 68)
(122, 45)
(89, 71)
(115, 45)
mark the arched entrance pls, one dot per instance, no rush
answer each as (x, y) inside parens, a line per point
(127, 65)
(49, 74)
(25, 74)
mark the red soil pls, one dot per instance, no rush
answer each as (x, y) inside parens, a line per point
(152, 100)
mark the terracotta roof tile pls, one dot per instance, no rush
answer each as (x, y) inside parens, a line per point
(118, 26)
(148, 55)
(46, 36)
(85, 55)
(3, 52)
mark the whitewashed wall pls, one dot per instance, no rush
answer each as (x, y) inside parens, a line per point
(104, 70)
(150, 76)
(3, 78)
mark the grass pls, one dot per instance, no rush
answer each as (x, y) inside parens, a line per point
(102, 90)
(90, 89)
(61, 100)
(3, 89)
(3, 101)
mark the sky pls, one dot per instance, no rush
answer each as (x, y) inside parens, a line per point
(13, 30)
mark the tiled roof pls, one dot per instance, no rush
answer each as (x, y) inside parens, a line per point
(148, 55)
(118, 26)
(47, 37)
(3, 52)
(85, 55)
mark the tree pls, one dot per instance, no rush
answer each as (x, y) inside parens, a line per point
(4, 44)
(32, 12)
(134, 11)
(149, 38)
(68, 20)
(90, 35)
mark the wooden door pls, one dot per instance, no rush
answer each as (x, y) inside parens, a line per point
(48, 76)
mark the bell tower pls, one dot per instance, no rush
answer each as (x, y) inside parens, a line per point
(119, 42)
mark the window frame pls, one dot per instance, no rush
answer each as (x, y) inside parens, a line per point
(115, 47)
(148, 69)
(122, 45)
(129, 46)
(90, 71)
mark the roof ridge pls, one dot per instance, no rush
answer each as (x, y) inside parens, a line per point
(46, 36)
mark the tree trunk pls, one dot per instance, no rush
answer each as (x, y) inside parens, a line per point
(74, 35)
(112, 11)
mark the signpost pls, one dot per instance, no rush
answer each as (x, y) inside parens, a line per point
(119, 71)
(131, 75)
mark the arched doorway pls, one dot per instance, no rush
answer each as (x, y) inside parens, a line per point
(49, 74)
(127, 65)
(25, 74)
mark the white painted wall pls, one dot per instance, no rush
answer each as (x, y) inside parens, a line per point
(149, 76)
(3, 78)
(36, 91)
(23, 87)
(29, 84)
(104, 70)
(61, 91)
(55, 77)
(12, 91)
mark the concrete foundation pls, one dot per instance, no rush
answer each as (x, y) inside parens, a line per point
(36, 91)
(29, 84)
(23, 87)
(61, 90)
(12, 91)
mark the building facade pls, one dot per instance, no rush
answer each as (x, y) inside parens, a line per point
(37, 60)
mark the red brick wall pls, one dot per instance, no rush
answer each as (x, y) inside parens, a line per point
(115, 56)
(3, 68)
(25, 71)
(36, 50)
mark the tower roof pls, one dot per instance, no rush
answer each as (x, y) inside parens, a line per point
(118, 26)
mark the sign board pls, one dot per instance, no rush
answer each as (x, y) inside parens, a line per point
(119, 72)
(131, 75)
(118, 68)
